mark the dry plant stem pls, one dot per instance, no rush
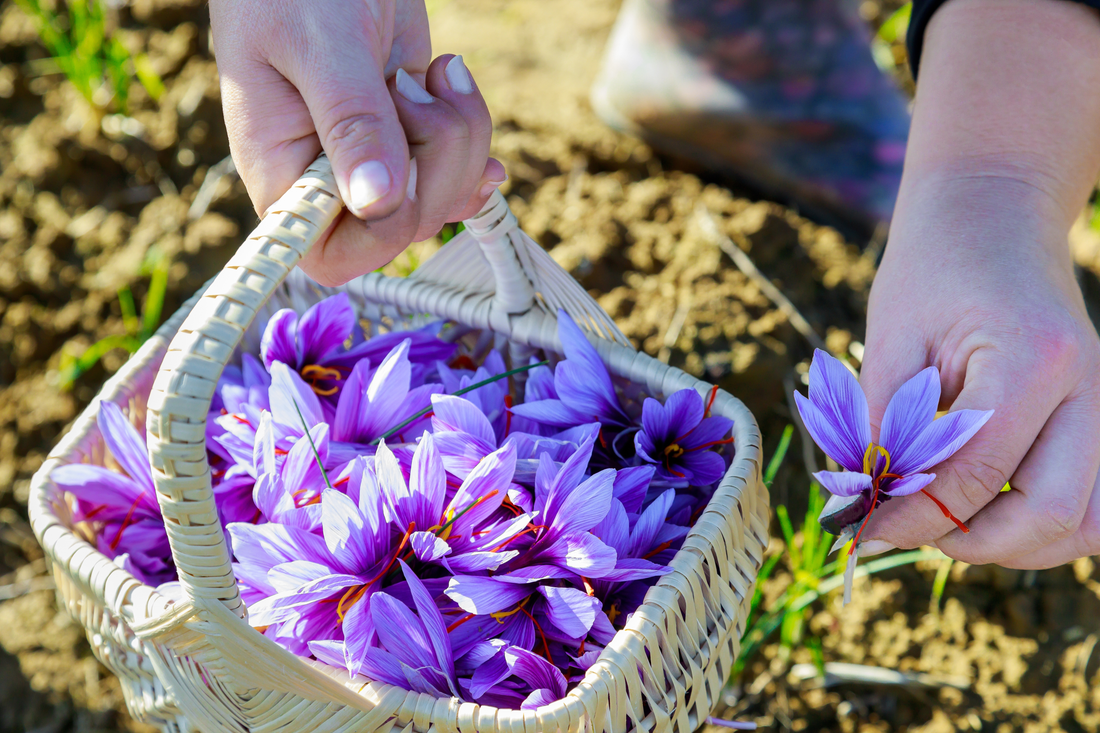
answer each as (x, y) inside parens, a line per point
(839, 673)
(748, 267)
(806, 441)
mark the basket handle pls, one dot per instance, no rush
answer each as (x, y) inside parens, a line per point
(184, 387)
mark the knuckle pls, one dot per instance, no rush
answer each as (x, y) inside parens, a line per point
(980, 478)
(351, 130)
(1058, 518)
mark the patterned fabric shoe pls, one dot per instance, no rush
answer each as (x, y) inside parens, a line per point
(783, 95)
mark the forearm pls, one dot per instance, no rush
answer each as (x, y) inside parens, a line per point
(1007, 115)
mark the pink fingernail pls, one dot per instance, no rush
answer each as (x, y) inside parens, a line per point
(410, 189)
(369, 183)
(410, 90)
(458, 76)
(488, 187)
(874, 547)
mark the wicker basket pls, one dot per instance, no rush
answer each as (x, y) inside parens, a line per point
(197, 665)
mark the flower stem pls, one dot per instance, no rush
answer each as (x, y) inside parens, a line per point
(457, 393)
(312, 445)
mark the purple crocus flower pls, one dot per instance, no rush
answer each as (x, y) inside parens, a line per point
(582, 387)
(314, 345)
(678, 437)
(371, 403)
(123, 505)
(911, 439)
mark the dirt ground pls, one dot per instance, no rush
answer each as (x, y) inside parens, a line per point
(83, 204)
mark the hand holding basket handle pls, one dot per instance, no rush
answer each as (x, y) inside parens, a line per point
(408, 137)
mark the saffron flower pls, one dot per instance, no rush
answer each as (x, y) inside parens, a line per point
(678, 437)
(314, 345)
(582, 391)
(124, 505)
(911, 439)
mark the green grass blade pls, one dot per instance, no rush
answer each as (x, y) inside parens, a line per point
(148, 77)
(154, 299)
(72, 369)
(129, 310)
(940, 584)
(778, 456)
(788, 536)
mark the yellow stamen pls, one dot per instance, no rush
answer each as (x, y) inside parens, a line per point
(314, 372)
(870, 457)
(674, 451)
(501, 615)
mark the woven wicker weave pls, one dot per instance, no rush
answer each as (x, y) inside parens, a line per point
(197, 665)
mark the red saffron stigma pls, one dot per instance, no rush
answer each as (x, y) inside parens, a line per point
(947, 513)
(508, 411)
(710, 400)
(458, 623)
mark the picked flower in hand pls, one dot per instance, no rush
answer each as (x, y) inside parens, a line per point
(911, 441)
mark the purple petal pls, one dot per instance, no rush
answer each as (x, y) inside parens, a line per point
(460, 415)
(124, 442)
(278, 343)
(268, 545)
(634, 568)
(346, 533)
(290, 576)
(939, 441)
(631, 486)
(103, 487)
(703, 466)
(649, 524)
(325, 327)
(472, 562)
(381, 666)
(583, 554)
(481, 596)
(910, 411)
(533, 573)
(427, 482)
(538, 698)
(489, 673)
(349, 407)
(581, 508)
(359, 634)
(400, 632)
(387, 390)
(655, 420)
(329, 651)
(550, 412)
(843, 483)
(585, 377)
(427, 546)
(289, 395)
(833, 440)
(432, 620)
(910, 484)
(493, 474)
(709, 431)
(614, 529)
(841, 405)
(536, 671)
(570, 610)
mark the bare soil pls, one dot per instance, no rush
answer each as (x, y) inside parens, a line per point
(86, 199)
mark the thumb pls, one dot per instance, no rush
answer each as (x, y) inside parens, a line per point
(356, 121)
